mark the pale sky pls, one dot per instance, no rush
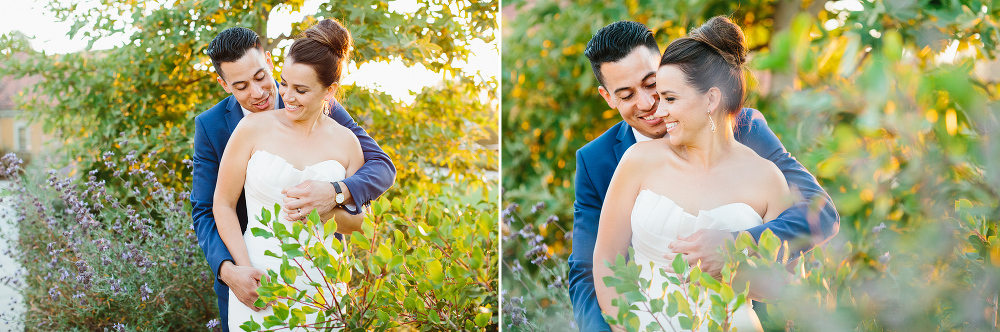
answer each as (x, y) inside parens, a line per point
(31, 18)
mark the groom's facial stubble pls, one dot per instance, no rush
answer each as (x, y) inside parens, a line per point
(630, 87)
(249, 79)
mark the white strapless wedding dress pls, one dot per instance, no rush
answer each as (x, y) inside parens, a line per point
(657, 221)
(266, 175)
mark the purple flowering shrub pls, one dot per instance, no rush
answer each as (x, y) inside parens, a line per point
(94, 258)
(535, 294)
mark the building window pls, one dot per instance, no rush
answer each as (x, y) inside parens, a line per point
(22, 136)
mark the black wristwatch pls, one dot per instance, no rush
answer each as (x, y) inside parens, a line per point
(340, 199)
(340, 193)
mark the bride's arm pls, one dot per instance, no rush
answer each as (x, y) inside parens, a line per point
(232, 175)
(766, 287)
(614, 233)
(347, 222)
(779, 197)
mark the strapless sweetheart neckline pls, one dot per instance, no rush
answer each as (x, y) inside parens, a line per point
(293, 166)
(700, 211)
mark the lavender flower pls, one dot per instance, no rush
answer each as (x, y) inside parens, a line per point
(884, 259)
(514, 309)
(145, 291)
(537, 207)
(118, 327)
(516, 267)
(54, 293)
(558, 283)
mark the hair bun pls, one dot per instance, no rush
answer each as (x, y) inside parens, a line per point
(326, 46)
(332, 34)
(725, 38)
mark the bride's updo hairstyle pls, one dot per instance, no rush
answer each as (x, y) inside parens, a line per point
(326, 47)
(714, 54)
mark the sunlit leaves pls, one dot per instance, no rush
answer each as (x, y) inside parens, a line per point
(395, 271)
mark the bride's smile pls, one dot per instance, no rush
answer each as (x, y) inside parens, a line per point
(302, 92)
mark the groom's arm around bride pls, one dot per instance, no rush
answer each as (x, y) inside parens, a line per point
(624, 56)
(244, 71)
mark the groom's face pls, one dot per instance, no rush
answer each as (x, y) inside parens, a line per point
(630, 87)
(249, 80)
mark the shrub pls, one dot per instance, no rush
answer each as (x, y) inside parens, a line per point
(90, 260)
(432, 269)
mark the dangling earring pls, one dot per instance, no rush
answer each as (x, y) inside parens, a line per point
(710, 119)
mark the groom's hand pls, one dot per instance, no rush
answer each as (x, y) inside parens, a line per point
(702, 246)
(311, 195)
(243, 280)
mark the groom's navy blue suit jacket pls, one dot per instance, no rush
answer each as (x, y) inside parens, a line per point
(594, 168)
(212, 131)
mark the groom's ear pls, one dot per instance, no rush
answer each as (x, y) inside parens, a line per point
(607, 96)
(223, 83)
(270, 62)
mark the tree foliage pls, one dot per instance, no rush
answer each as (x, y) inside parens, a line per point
(152, 87)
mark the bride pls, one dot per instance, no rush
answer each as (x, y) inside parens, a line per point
(272, 150)
(696, 177)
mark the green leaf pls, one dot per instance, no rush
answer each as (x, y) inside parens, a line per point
(435, 272)
(483, 318)
(383, 253)
(250, 326)
(329, 228)
(265, 216)
(360, 241)
(288, 272)
(368, 228)
(656, 305)
(397, 260)
(680, 267)
(260, 232)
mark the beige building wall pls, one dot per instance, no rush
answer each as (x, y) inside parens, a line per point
(18, 135)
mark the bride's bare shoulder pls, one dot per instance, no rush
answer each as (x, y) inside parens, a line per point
(258, 120)
(759, 167)
(337, 130)
(647, 153)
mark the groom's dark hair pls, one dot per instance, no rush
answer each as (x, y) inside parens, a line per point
(616, 40)
(231, 45)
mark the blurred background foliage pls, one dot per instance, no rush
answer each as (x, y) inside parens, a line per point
(152, 87)
(892, 105)
(141, 98)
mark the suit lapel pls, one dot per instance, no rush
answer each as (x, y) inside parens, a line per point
(625, 140)
(235, 114)
(281, 103)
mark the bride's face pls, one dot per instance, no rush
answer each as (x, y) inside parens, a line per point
(302, 92)
(682, 107)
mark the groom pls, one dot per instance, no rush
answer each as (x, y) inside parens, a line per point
(625, 57)
(245, 72)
